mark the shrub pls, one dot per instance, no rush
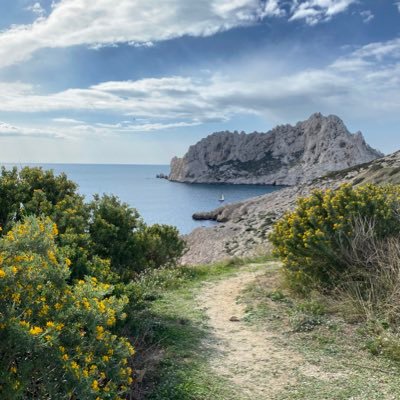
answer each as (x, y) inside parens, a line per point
(104, 231)
(314, 240)
(33, 191)
(117, 233)
(160, 246)
(112, 233)
(56, 339)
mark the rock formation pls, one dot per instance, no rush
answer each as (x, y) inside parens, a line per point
(286, 155)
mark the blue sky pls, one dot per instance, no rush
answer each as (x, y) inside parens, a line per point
(138, 81)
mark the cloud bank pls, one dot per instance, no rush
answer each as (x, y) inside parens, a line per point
(366, 81)
(107, 22)
(18, 131)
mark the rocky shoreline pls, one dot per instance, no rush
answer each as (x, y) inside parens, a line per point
(243, 227)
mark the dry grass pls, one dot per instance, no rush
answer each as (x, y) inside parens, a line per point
(371, 288)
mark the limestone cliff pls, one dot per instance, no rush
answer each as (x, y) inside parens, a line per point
(286, 155)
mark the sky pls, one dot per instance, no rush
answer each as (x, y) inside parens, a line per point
(139, 81)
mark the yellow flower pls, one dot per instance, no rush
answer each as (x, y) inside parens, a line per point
(59, 327)
(2, 274)
(131, 349)
(50, 324)
(95, 385)
(65, 357)
(100, 332)
(52, 256)
(10, 236)
(44, 310)
(16, 297)
(86, 303)
(55, 230)
(74, 365)
(89, 358)
(36, 330)
(24, 324)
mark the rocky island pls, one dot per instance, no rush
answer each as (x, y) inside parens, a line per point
(286, 155)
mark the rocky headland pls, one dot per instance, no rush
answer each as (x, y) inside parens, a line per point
(243, 227)
(286, 155)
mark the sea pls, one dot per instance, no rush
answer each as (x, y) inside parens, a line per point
(157, 200)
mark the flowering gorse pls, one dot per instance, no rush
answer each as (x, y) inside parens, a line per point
(310, 239)
(56, 337)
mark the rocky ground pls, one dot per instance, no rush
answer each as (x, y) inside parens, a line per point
(243, 227)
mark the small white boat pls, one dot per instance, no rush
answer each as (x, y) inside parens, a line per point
(222, 198)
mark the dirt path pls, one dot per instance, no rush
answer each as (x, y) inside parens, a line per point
(248, 357)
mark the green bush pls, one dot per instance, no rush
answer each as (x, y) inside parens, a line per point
(117, 233)
(104, 231)
(315, 240)
(56, 339)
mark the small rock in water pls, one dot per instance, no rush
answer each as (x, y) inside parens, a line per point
(234, 319)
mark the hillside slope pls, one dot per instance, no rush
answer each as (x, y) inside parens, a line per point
(244, 226)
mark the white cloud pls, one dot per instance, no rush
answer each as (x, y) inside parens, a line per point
(13, 131)
(106, 22)
(142, 23)
(67, 121)
(148, 127)
(315, 11)
(378, 50)
(367, 16)
(37, 9)
(397, 4)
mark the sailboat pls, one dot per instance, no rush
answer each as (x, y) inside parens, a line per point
(222, 198)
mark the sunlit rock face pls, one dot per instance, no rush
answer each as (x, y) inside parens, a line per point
(286, 155)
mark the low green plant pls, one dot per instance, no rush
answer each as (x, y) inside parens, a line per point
(276, 295)
(306, 315)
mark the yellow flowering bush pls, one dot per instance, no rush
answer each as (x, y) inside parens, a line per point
(310, 240)
(56, 338)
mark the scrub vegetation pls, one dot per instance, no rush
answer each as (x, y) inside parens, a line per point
(94, 306)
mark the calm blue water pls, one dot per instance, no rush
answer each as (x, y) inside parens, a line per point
(157, 200)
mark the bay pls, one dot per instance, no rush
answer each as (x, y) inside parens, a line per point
(157, 200)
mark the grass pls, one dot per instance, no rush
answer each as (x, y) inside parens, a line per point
(174, 328)
(338, 363)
